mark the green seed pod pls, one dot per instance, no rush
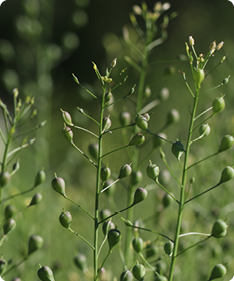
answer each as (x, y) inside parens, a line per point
(160, 278)
(58, 185)
(125, 171)
(141, 122)
(104, 213)
(139, 195)
(204, 130)
(106, 124)
(138, 244)
(9, 226)
(80, 261)
(125, 118)
(177, 149)
(108, 97)
(93, 150)
(151, 250)
(68, 133)
(219, 229)
(166, 200)
(218, 105)
(40, 178)
(37, 198)
(3, 265)
(164, 94)
(157, 142)
(164, 177)
(9, 211)
(227, 174)
(113, 238)
(136, 177)
(4, 178)
(65, 219)
(110, 191)
(107, 226)
(35, 243)
(226, 143)
(138, 271)
(168, 248)
(105, 173)
(152, 171)
(126, 276)
(173, 116)
(45, 274)
(198, 76)
(218, 271)
(67, 117)
(137, 139)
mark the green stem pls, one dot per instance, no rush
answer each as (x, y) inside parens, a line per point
(81, 237)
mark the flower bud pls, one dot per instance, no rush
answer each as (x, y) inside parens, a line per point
(80, 261)
(45, 274)
(204, 130)
(137, 139)
(113, 238)
(198, 76)
(65, 219)
(168, 248)
(191, 41)
(136, 177)
(105, 173)
(125, 118)
(107, 225)
(141, 122)
(173, 116)
(113, 63)
(138, 271)
(67, 117)
(226, 143)
(106, 123)
(220, 45)
(227, 174)
(9, 226)
(152, 171)
(58, 185)
(40, 178)
(126, 276)
(35, 243)
(3, 265)
(177, 149)
(219, 229)
(93, 150)
(218, 271)
(137, 244)
(4, 178)
(218, 105)
(68, 133)
(9, 211)
(139, 195)
(212, 47)
(125, 171)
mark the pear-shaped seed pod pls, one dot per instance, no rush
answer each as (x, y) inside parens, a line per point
(137, 139)
(80, 261)
(93, 150)
(66, 117)
(226, 143)
(177, 149)
(105, 173)
(35, 243)
(198, 76)
(138, 271)
(173, 116)
(125, 171)
(160, 278)
(219, 229)
(4, 178)
(218, 271)
(9, 226)
(136, 177)
(218, 105)
(125, 118)
(68, 133)
(9, 211)
(107, 225)
(204, 130)
(58, 185)
(45, 274)
(227, 174)
(40, 178)
(141, 122)
(37, 198)
(65, 219)
(139, 195)
(113, 238)
(138, 244)
(126, 276)
(152, 171)
(168, 248)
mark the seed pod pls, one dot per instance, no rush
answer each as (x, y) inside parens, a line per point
(147, 92)
(105, 173)
(108, 97)
(198, 76)
(36, 199)
(40, 178)
(164, 177)
(164, 94)
(107, 225)
(4, 178)
(137, 244)
(138, 271)
(125, 118)
(218, 105)
(141, 122)
(9, 226)
(151, 250)
(136, 177)
(80, 261)
(104, 213)
(218, 271)
(168, 248)
(113, 238)
(139, 195)
(9, 211)
(161, 267)
(125, 171)
(158, 141)
(177, 149)
(45, 274)
(65, 219)
(93, 150)
(152, 171)
(226, 143)
(3, 265)
(204, 130)
(126, 276)
(35, 243)
(166, 200)
(173, 116)
(67, 117)
(160, 278)
(227, 174)
(219, 229)
(68, 133)
(106, 124)
(137, 139)
(58, 185)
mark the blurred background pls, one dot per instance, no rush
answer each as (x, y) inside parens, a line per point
(43, 42)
